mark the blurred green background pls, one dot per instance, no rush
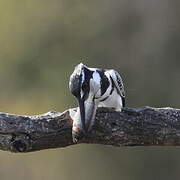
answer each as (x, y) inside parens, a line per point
(40, 43)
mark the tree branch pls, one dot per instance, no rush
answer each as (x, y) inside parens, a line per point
(131, 127)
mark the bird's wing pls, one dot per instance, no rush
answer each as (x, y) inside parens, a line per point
(118, 84)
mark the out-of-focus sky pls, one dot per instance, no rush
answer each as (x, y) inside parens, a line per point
(40, 43)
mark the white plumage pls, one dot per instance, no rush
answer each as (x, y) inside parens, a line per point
(94, 88)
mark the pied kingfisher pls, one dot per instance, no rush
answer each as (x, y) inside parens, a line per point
(94, 88)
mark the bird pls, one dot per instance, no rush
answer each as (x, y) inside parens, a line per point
(93, 88)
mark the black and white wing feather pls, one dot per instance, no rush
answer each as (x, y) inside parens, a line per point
(118, 84)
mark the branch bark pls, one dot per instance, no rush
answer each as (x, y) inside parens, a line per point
(132, 127)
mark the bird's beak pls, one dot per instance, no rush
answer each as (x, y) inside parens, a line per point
(87, 112)
(82, 114)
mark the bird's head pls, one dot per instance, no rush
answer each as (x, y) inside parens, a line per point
(84, 84)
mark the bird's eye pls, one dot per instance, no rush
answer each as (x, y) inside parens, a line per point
(85, 86)
(74, 85)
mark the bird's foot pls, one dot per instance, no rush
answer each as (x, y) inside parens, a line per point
(77, 136)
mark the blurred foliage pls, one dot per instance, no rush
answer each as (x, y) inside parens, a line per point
(42, 41)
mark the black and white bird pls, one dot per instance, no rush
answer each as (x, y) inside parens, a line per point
(94, 88)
